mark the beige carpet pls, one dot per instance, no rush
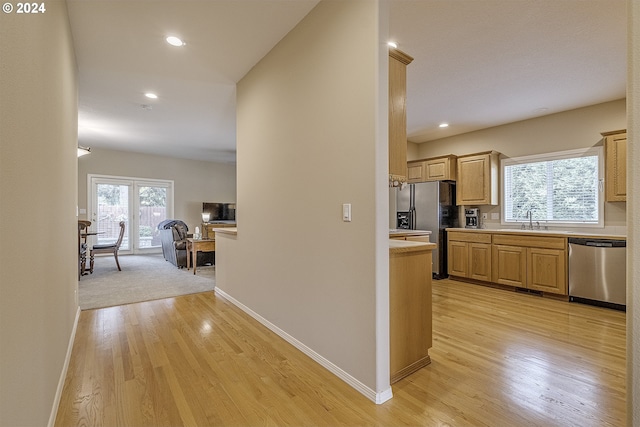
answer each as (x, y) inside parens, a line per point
(143, 278)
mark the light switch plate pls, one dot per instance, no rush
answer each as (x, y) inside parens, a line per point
(346, 212)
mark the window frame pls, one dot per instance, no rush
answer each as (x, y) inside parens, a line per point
(558, 155)
(133, 228)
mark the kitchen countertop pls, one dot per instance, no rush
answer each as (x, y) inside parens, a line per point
(554, 233)
(403, 232)
(403, 246)
(231, 231)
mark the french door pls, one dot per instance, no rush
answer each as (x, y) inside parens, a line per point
(141, 203)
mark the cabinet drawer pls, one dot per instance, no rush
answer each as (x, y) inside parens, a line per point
(462, 236)
(530, 241)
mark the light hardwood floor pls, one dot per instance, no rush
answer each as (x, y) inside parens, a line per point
(499, 359)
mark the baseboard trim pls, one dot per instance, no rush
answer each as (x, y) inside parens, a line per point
(63, 374)
(369, 393)
(408, 370)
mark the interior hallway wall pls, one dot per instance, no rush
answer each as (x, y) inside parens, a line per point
(312, 121)
(38, 251)
(633, 202)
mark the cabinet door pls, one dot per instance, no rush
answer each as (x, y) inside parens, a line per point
(437, 169)
(410, 324)
(510, 265)
(415, 172)
(398, 62)
(616, 167)
(480, 261)
(458, 258)
(473, 180)
(547, 270)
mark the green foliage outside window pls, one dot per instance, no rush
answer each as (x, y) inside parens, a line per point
(560, 190)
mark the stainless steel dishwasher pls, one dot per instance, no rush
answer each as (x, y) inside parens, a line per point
(597, 271)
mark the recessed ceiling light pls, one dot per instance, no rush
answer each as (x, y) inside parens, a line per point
(392, 44)
(151, 95)
(175, 41)
(443, 125)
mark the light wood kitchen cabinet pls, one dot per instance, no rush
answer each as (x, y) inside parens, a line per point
(398, 62)
(410, 322)
(509, 265)
(458, 258)
(416, 171)
(547, 270)
(434, 169)
(615, 166)
(469, 255)
(531, 262)
(477, 182)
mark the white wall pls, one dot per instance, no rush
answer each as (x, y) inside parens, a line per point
(633, 202)
(568, 130)
(312, 135)
(38, 250)
(194, 181)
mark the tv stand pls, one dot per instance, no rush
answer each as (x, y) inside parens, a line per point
(207, 228)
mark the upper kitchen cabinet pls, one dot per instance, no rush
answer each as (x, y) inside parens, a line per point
(616, 165)
(433, 169)
(477, 182)
(398, 62)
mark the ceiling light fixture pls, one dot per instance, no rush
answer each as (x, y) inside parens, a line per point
(175, 41)
(151, 95)
(392, 44)
(443, 125)
(82, 151)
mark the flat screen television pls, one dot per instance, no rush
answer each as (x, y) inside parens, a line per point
(219, 211)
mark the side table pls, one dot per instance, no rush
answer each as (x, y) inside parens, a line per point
(195, 245)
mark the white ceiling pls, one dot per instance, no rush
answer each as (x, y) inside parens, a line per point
(478, 63)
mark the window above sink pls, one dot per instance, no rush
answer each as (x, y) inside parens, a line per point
(554, 189)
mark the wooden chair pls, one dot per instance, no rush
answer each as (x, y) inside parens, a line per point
(109, 248)
(82, 247)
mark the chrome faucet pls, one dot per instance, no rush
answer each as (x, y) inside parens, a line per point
(530, 216)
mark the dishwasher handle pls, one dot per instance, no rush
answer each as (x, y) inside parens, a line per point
(599, 243)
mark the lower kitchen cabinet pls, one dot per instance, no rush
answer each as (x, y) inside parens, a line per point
(469, 255)
(410, 323)
(532, 262)
(479, 261)
(522, 261)
(547, 270)
(458, 258)
(509, 265)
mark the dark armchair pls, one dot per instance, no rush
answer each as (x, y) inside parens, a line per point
(173, 235)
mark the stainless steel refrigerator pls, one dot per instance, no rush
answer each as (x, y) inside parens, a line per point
(429, 206)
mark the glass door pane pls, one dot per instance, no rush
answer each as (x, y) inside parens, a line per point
(152, 207)
(112, 206)
(141, 203)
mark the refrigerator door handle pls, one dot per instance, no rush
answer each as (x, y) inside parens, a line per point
(412, 226)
